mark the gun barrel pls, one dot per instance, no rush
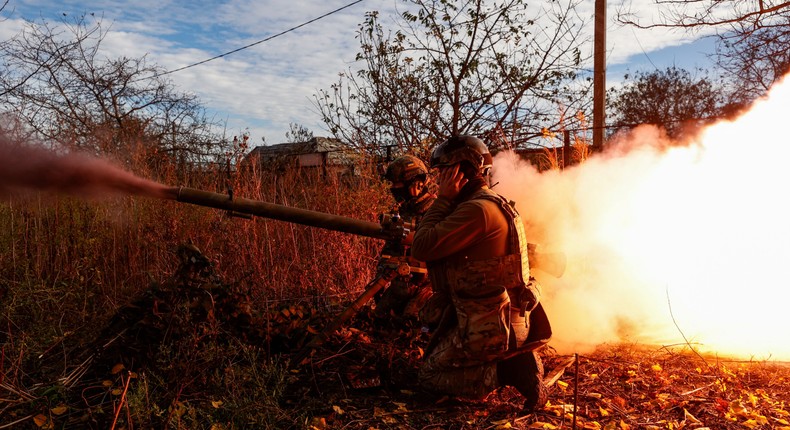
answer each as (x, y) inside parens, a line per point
(281, 213)
(552, 263)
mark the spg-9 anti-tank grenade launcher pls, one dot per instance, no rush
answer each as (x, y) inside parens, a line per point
(393, 228)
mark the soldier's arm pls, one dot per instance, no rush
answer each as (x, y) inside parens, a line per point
(445, 230)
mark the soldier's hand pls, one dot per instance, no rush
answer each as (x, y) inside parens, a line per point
(415, 188)
(451, 180)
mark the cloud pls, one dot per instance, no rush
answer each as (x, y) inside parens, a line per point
(269, 85)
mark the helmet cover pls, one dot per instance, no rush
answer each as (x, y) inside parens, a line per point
(462, 148)
(405, 169)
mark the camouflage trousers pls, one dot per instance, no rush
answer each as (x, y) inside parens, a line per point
(446, 371)
(464, 360)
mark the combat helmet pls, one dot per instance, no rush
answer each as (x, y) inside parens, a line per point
(405, 169)
(402, 173)
(462, 148)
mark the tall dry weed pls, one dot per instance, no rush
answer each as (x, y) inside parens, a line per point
(67, 264)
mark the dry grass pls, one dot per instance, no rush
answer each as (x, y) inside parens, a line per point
(106, 322)
(68, 266)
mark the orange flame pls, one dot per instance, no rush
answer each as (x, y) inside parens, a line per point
(670, 245)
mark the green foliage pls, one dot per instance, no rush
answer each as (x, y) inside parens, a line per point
(671, 98)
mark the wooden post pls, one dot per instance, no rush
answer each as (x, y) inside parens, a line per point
(599, 76)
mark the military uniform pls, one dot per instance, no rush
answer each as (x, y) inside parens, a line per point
(406, 294)
(478, 264)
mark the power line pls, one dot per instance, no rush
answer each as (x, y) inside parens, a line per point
(256, 43)
(643, 49)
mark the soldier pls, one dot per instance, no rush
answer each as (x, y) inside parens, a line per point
(410, 185)
(474, 244)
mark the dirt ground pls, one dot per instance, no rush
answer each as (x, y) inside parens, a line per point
(194, 353)
(366, 382)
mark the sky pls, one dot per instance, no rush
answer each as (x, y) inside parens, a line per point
(263, 89)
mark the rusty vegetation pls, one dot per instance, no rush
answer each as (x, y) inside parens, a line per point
(133, 313)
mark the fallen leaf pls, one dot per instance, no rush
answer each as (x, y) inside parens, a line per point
(687, 416)
(42, 421)
(318, 423)
(401, 407)
(59, 410)
(752, 424)
(737, 408)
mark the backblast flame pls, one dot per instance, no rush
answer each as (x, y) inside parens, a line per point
(670, 244)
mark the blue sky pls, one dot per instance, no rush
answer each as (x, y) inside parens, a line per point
(270, 85)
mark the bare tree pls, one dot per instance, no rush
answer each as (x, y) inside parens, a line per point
(753, 38)
(708, 13)
(54, 80)
(494, 68)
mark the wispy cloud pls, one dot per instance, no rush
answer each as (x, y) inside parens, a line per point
(269, 85)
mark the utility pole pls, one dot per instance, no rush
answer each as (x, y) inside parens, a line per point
(599, 76)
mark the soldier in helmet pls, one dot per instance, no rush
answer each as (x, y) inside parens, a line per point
(411, 187)
(473, 241)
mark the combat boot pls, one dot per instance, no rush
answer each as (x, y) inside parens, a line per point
(525, 373)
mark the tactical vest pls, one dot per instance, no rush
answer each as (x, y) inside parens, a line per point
(491, 296)
(514, 265)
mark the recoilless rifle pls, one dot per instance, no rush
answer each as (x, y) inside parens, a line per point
(390, 227)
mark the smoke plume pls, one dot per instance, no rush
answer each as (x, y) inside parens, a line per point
(26, 166)
(669, 244)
